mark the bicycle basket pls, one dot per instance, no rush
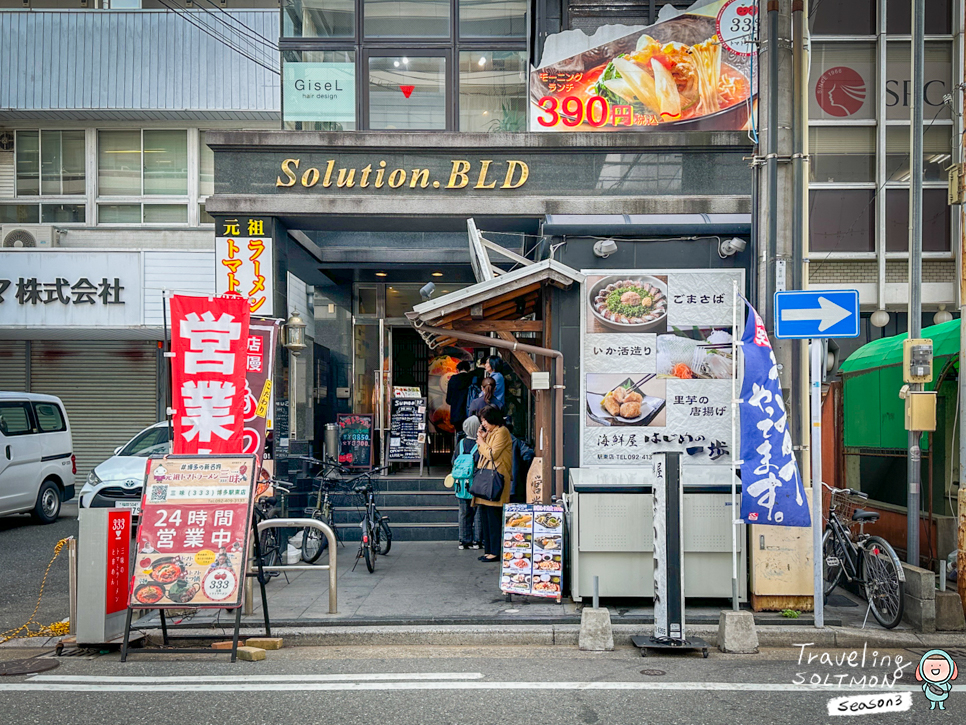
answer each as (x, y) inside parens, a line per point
(843, 503)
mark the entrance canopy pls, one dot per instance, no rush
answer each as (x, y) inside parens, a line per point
(888, 351)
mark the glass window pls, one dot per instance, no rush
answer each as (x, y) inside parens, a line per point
(493, 91)
(406, 18)
(834, 17)
(28, 163)
(203, 216)
(14, 419)
(206, 168)
(19, 213)
(366, 300)
(936, 147)
(401, 298)
(119, 214)
(841, 153)
(842, 81)
(939, 19)
(166, 162)
(319, 90)
(318, 19)
(147, 442)
(49, 417)
(63, 213)
(119, 163)
(407, 93)
(935, 221)
(165, 214)
(493, 18)
(841, 220)
(937, 72)
(62, 162)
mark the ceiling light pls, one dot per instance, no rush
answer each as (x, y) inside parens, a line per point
(406, 61)
(381, 274)
(437, 274)
(395, 63)
(482, 61)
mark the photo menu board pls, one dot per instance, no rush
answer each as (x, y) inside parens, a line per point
(532, 550)
(407, 425)
(657, 366)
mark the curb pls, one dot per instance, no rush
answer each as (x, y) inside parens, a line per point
(560, 634)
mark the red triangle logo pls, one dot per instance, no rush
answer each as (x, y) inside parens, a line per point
(407, 90)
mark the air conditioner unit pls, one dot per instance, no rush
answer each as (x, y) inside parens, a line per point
(27, 236)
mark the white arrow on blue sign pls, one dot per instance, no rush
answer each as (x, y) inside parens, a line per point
(802, 314)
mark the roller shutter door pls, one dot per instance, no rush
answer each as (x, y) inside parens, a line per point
(13, 366)
(109, 390)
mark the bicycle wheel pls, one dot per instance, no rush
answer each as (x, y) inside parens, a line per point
(883, 589)
(369, 548)
(385, 538)
(832, 548)
(271, 556)
(314, 542)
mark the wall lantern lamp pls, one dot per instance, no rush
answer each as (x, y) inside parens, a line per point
(295, 334)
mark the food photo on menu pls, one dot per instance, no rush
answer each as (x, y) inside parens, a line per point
(696, 353)
(627, 303)
(626, 400)
(517, 540)
(544, 562)
(517, 562)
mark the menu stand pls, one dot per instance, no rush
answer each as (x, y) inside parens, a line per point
(260, 575)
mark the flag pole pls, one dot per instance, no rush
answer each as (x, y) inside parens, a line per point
(734, 448)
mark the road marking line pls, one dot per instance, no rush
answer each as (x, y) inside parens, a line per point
(189, 684)
(387, 676)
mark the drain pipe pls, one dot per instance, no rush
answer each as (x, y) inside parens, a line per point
(558, 374)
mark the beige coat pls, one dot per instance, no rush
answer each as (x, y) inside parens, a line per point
(497, 448)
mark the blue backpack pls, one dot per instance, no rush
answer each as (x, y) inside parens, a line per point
(463, 468)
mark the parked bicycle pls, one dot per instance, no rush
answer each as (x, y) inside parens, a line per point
(268, 542)
(866, 560)
(376, 534)
(314, 542)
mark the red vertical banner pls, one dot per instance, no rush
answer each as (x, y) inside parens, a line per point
(118, 559)
(259, 374)
(209, 340)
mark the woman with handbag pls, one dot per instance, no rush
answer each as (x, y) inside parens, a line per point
(491, 482)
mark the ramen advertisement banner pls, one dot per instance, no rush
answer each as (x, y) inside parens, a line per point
(657, 366)
(691, 71)
(196, 514)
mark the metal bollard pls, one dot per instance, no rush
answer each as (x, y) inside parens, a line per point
(331, 566)
(596, 591)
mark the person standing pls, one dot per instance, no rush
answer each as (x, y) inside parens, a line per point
(494, 369)
(487, 397)
(495, 446)
(469, 529)
(457, 394)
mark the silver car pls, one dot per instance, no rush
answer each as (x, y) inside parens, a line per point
(117, 482)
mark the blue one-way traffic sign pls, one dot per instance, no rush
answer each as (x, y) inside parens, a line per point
(814, 313)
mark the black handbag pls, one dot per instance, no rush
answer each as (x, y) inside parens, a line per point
(488, 483)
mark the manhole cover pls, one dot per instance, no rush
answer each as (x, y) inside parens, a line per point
(653, 673)
(27, 667)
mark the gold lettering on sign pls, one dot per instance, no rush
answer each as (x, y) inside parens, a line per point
(486, 176)
(512, 166)
(460, 168)
(287, 170)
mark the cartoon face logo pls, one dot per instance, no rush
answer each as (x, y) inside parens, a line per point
(840, 91)
(935, 671)
(159, 473)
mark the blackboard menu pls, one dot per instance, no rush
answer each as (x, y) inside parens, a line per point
(355, 440)
(407, 429)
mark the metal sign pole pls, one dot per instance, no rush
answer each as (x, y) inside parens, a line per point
(734, 446)
(818, 596)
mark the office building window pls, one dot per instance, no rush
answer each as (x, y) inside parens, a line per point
(318, 18)
(406, 18)
(50, 163)
(407, 92)
(135, 163)
(493, 88)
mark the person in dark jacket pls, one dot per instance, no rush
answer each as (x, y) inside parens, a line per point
(457, 391)
(487, 398)
(522, 458)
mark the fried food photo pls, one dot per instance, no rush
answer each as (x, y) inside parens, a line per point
(166, 573)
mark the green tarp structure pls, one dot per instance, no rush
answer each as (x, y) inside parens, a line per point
(874, 414)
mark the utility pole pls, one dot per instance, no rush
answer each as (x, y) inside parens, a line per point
(914, 467)
(961, 538)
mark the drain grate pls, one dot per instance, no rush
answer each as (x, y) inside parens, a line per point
(12, 668)
(653, 673)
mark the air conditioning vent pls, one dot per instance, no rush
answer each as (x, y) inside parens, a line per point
(27, 236)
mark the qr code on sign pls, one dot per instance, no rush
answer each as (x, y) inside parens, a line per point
(159, 494)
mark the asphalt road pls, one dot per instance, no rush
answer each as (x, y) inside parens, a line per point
(25, 550)
(468, 686)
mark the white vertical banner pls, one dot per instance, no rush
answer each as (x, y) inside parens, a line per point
(244, 263)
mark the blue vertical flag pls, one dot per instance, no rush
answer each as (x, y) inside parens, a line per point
(771, 486)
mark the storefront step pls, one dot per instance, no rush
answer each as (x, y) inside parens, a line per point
(404, 515)
(407, 532)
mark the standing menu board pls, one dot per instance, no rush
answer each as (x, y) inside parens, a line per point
(196, 514)
(532, 550)
(355, 440)
(407, 428)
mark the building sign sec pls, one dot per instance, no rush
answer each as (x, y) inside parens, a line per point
(244, 262)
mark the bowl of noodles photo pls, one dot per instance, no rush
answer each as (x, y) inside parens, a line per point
(634, 303)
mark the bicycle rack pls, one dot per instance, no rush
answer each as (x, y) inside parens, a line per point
(331, 566)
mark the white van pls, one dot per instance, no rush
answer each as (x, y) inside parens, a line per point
(37, 464)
